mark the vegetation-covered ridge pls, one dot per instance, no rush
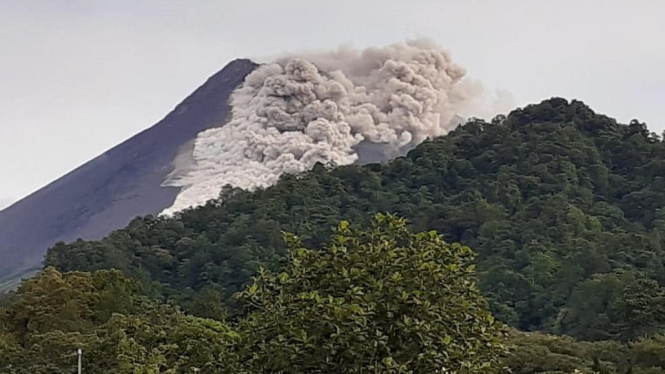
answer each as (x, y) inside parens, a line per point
(564, 207)
(381, 299)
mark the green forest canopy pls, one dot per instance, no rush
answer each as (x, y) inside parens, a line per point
(381, 299)
(563, 206)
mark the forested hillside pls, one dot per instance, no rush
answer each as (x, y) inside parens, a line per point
(563, 206)
(560, 213)
(380, 299)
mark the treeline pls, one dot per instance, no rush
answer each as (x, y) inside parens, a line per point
(539, 353)
(381, 299)
(564, 207)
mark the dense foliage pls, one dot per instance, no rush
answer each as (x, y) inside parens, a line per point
(538, 353)
(381, 300)
(376, 300)
(52, 315)
(564, 207)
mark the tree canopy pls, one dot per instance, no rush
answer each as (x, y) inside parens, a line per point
(378, 299)
(382, 299)
(52, 315)
(565, 208)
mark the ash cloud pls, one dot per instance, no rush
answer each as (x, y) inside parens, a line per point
(343, 106)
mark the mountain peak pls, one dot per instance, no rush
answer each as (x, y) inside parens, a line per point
(109, 191)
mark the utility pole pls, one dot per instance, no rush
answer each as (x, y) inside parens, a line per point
(79, 352)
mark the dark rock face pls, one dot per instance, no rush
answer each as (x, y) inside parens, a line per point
(115, 187)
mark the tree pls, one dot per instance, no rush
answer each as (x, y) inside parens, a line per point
(162, 340)
(52, 315)
(378, 300)
(644, 308)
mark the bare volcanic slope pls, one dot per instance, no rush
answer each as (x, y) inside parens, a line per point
(110, 190)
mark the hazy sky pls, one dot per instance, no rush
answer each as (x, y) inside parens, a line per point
(79, 76)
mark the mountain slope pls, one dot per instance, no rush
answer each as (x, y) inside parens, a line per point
(107, 192)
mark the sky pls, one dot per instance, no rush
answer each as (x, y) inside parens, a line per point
(79, 76)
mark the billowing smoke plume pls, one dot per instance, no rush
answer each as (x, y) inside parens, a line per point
(338, 107)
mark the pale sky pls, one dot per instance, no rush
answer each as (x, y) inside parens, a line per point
(78, 76)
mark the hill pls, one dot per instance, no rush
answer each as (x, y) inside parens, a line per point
(563, 206)
(106, 193)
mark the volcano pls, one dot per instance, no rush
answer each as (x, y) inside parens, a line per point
(107, 192)
(245, 127)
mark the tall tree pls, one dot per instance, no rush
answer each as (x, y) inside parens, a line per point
(380, 300)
